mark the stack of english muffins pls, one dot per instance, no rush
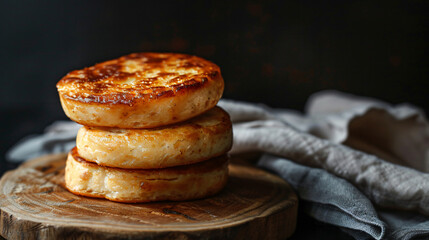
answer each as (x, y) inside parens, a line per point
(151, 129)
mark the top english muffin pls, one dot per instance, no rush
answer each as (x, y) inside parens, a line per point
(141, 90)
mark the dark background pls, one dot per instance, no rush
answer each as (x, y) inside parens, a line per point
(274, 52)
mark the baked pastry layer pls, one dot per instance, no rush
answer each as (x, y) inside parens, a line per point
(125, 185)
(141, 90)
(198, 139)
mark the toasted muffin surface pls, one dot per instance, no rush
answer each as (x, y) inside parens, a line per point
(125, 185)
(198, 139)
(141, 90)
(135, 77)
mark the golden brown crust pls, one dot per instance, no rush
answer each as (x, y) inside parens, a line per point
(136, 77)
(200, 138)
(137, 185)
(174, 87)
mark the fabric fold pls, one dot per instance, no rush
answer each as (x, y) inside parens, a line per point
(328, 198)
(386, 184)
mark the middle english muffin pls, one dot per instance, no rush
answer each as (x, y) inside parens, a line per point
(141, 90)
(198, 139)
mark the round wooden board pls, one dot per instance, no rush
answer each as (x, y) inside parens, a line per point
(35, 205)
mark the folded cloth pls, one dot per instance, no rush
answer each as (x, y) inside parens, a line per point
(322, 162)
(388, 185)
(328, 198)
(345, 154)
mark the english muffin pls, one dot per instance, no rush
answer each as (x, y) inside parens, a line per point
(198, 139)
(141, 90)
(180, 183)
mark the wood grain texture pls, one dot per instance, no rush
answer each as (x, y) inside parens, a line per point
(35, 205)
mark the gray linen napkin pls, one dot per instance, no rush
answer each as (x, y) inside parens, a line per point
(329, 199)
(338, 184)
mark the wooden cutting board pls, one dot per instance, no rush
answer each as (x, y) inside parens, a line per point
(35, 205)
